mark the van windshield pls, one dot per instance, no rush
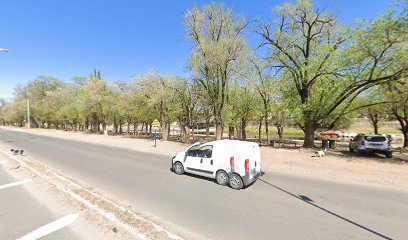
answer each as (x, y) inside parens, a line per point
(375, 138)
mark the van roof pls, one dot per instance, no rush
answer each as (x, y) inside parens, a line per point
(228, 141)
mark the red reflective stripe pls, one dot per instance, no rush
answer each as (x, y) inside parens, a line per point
(247, 166)
(232, 162)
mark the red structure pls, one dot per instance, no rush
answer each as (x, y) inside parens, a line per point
(329, 135)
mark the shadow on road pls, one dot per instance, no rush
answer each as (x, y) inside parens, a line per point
(309, 201)
(208, 179)
(195, 176)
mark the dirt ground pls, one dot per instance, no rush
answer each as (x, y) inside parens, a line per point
(336, 165)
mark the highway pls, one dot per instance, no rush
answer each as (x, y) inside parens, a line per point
(277, 206)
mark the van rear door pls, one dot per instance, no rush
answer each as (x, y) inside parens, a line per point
(255, 160)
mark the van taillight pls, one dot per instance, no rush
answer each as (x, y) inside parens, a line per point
(247, 166)
(232, 162)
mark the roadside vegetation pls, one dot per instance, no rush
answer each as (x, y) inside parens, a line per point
(309, 73)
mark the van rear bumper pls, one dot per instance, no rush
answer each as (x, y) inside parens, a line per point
(248, 181)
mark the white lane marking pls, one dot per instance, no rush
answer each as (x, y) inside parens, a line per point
(50, 227)
(108, 215)
(8, 185)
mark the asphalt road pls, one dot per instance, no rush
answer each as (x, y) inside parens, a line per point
(21, 213)
(277, 206)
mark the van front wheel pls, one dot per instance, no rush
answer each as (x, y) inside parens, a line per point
(178, 168)
(221, 178)
(235, 182)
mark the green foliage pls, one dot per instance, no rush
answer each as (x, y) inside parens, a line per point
(326, 67)
(218, 49)
(316, 74)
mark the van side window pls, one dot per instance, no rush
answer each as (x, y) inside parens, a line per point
(194, 151)
(206, 151)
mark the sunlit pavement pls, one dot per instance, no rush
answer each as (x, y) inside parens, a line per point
(277, 206)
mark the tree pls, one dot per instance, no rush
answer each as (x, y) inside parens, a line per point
(159, 90)
(186, 98)
(397, 94)
(2, 108)
(325, 67)
(378, 110)
(266, 88)
(217, 48)
(96, 98)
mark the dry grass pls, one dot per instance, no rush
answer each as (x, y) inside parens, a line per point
(359, 126)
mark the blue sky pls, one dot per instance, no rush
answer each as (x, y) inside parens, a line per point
(121, 38)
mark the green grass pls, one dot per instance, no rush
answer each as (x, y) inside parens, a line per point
(288, 132)
(296, 133)
(381, 130)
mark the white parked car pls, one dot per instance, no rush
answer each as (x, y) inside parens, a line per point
(227, 161)
(371, 143)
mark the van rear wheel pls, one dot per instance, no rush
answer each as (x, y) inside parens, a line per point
(178, 168)
(221, 178)
(236, 182)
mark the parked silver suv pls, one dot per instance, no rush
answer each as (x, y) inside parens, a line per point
(371, 143)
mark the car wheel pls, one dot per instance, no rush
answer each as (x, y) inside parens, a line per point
(235, 181)
(221, 178)
(178, 168)
(388, 154)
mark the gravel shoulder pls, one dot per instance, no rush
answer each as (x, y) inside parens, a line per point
(335, 166)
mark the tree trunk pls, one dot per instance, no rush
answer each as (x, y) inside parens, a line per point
(128, 128)
(120, 127)
(218, 130)
(310, 129)
(98, 122)
(230, 132)
(168, 130)
(267, 129)
(192, 129)
(186, 133)
(280, 131)
(243, 129)
(260, 132)
(165, 133)
(218, 124)
(373, 116)
(207, 127)
(134, 129)
(104, 125)
(375, 125)
(403, 121)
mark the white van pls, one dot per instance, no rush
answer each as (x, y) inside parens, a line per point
(227, 161)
